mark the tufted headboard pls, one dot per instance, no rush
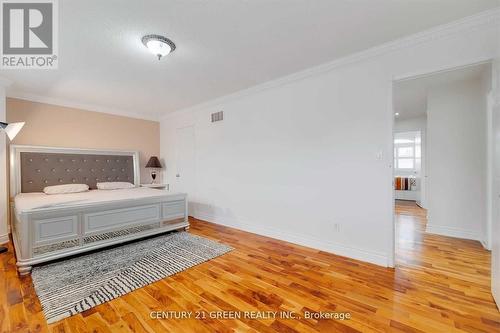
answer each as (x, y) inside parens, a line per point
(33, 168)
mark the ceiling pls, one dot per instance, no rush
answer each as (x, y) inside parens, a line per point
(410, 95)
(222, 46)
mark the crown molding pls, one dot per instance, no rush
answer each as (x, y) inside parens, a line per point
(80, 106)
(489, 18)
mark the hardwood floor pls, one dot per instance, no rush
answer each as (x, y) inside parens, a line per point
(440, 284)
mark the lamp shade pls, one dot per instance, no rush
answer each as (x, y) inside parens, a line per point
(154, 162)
(11, 129)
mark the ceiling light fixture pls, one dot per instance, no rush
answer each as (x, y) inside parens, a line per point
(396, 114)
(158, 45)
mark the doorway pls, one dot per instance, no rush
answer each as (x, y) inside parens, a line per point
(441, 153)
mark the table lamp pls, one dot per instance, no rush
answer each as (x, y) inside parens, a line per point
(153, 163)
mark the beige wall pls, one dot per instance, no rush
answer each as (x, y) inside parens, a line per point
(57, 126)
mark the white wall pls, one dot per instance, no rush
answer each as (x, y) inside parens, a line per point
(299, 155)
(417, 124)
(3, 173)
(495, 232)
(487, 82)
(456, 168)
(411, 124)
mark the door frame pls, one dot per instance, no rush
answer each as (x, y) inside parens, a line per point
(391, 257)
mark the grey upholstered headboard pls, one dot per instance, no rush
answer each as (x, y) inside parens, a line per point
(37, 167)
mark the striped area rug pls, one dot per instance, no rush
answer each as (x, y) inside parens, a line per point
(71, 286)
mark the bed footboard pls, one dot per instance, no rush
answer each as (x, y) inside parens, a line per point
(51, 234)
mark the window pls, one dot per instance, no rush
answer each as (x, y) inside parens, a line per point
(407, 152)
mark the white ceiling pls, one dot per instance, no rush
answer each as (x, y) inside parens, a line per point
(222, 46)
(410, 96)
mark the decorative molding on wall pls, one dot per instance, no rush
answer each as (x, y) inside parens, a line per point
(80, 106)
(376, 258)
(487, 19)
(453, 232)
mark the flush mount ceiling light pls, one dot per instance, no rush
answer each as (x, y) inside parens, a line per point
(158, 45)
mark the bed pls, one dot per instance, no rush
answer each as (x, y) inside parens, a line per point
(49, 227)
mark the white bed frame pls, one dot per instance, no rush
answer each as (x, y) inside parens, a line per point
(53, 233)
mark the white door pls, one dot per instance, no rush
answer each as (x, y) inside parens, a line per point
(185, 161)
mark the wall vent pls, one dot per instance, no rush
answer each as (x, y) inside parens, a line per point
(217, 116)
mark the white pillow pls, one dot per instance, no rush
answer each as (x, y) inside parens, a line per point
(67, 188)
(114, 185)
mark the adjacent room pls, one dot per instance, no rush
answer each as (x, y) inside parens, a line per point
(250, 166)
(443, 125)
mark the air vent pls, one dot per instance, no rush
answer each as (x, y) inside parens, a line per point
(217, 116)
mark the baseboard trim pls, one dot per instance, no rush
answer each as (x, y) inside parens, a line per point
(380, 259)
(4, 239)
(453, 232)
(496, 295)
(485, 245)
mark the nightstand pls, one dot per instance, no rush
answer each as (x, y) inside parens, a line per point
(157, 186)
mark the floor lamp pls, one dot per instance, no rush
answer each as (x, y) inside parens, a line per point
(11, 130)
